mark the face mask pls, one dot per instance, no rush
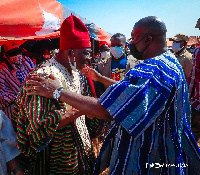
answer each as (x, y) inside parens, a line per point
(105, 55)
(133, 50)
(136, 54)
(176, 47)
(16, 59)
(117, 52)
(192, 50)
(73, 67)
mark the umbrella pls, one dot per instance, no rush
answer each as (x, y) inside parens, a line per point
(38, 19)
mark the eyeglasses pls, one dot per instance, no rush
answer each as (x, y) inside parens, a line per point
(13, 53)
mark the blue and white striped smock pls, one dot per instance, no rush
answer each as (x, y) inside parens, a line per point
(151, 132)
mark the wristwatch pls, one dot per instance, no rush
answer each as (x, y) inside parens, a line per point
(57, 93)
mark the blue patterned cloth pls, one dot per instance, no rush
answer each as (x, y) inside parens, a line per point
(151, 132)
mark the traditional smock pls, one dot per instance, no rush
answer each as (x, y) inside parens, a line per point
(11, 78)
(55, 151)
(194, 80)
(151, 132)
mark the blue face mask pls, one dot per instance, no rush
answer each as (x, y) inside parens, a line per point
(116, 51)
(191, 50)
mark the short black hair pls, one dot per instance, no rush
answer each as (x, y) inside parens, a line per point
(119, 35)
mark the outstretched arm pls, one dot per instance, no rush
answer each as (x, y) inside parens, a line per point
(86, 105)
(94, 75)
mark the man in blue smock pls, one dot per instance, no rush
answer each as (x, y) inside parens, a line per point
(150, 108)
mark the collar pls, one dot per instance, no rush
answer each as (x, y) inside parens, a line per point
(182, 53)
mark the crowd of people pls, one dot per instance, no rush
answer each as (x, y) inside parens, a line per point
(144, 100)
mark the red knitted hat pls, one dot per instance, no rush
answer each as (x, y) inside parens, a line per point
(102, 43)
(11, 46)
(74, 34)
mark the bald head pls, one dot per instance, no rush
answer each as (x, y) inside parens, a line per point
(152, 25)
(148, 38)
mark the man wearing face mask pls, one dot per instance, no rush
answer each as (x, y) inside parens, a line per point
(150, 109)
(116, 63)
(104, 51)
(13, 71)
(119, 57)
(104, 65)
(179, 47)
(59, 138)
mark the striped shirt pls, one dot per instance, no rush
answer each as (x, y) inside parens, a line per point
(151, 132)
(54, 151)
(11, 78)
(194, 80)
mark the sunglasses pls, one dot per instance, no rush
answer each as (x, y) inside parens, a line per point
(13, 53)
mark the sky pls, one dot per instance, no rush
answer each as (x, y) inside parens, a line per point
(119, 16)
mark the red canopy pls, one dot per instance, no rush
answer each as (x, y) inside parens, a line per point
(193, 40)
(23, 20)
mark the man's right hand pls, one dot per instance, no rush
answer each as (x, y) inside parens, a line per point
(91, 73)
(69, 116)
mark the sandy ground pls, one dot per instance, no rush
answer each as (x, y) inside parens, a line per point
(97, 143)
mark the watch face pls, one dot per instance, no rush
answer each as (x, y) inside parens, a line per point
(56, 94)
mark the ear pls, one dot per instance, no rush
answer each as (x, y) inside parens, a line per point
(148, 39)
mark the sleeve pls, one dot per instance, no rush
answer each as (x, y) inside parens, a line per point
(7, 95)
(194, 76)
(188, 65)
(135, 105)
(37, 120)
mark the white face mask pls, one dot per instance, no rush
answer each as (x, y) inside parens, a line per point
(105, 55)
(117, 52)
(16, 59)
(176, 47)
(73, 67)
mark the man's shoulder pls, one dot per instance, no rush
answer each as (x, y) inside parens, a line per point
(164, 61)
(187, 54)
(3, 65)
(196, 53)
(133, 60)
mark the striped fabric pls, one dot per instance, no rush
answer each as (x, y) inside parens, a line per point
(151, 133)
(54, 151)
(194, 80)
(11, 78)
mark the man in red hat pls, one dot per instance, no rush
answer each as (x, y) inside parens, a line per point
(13, 71)
(51, 133)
